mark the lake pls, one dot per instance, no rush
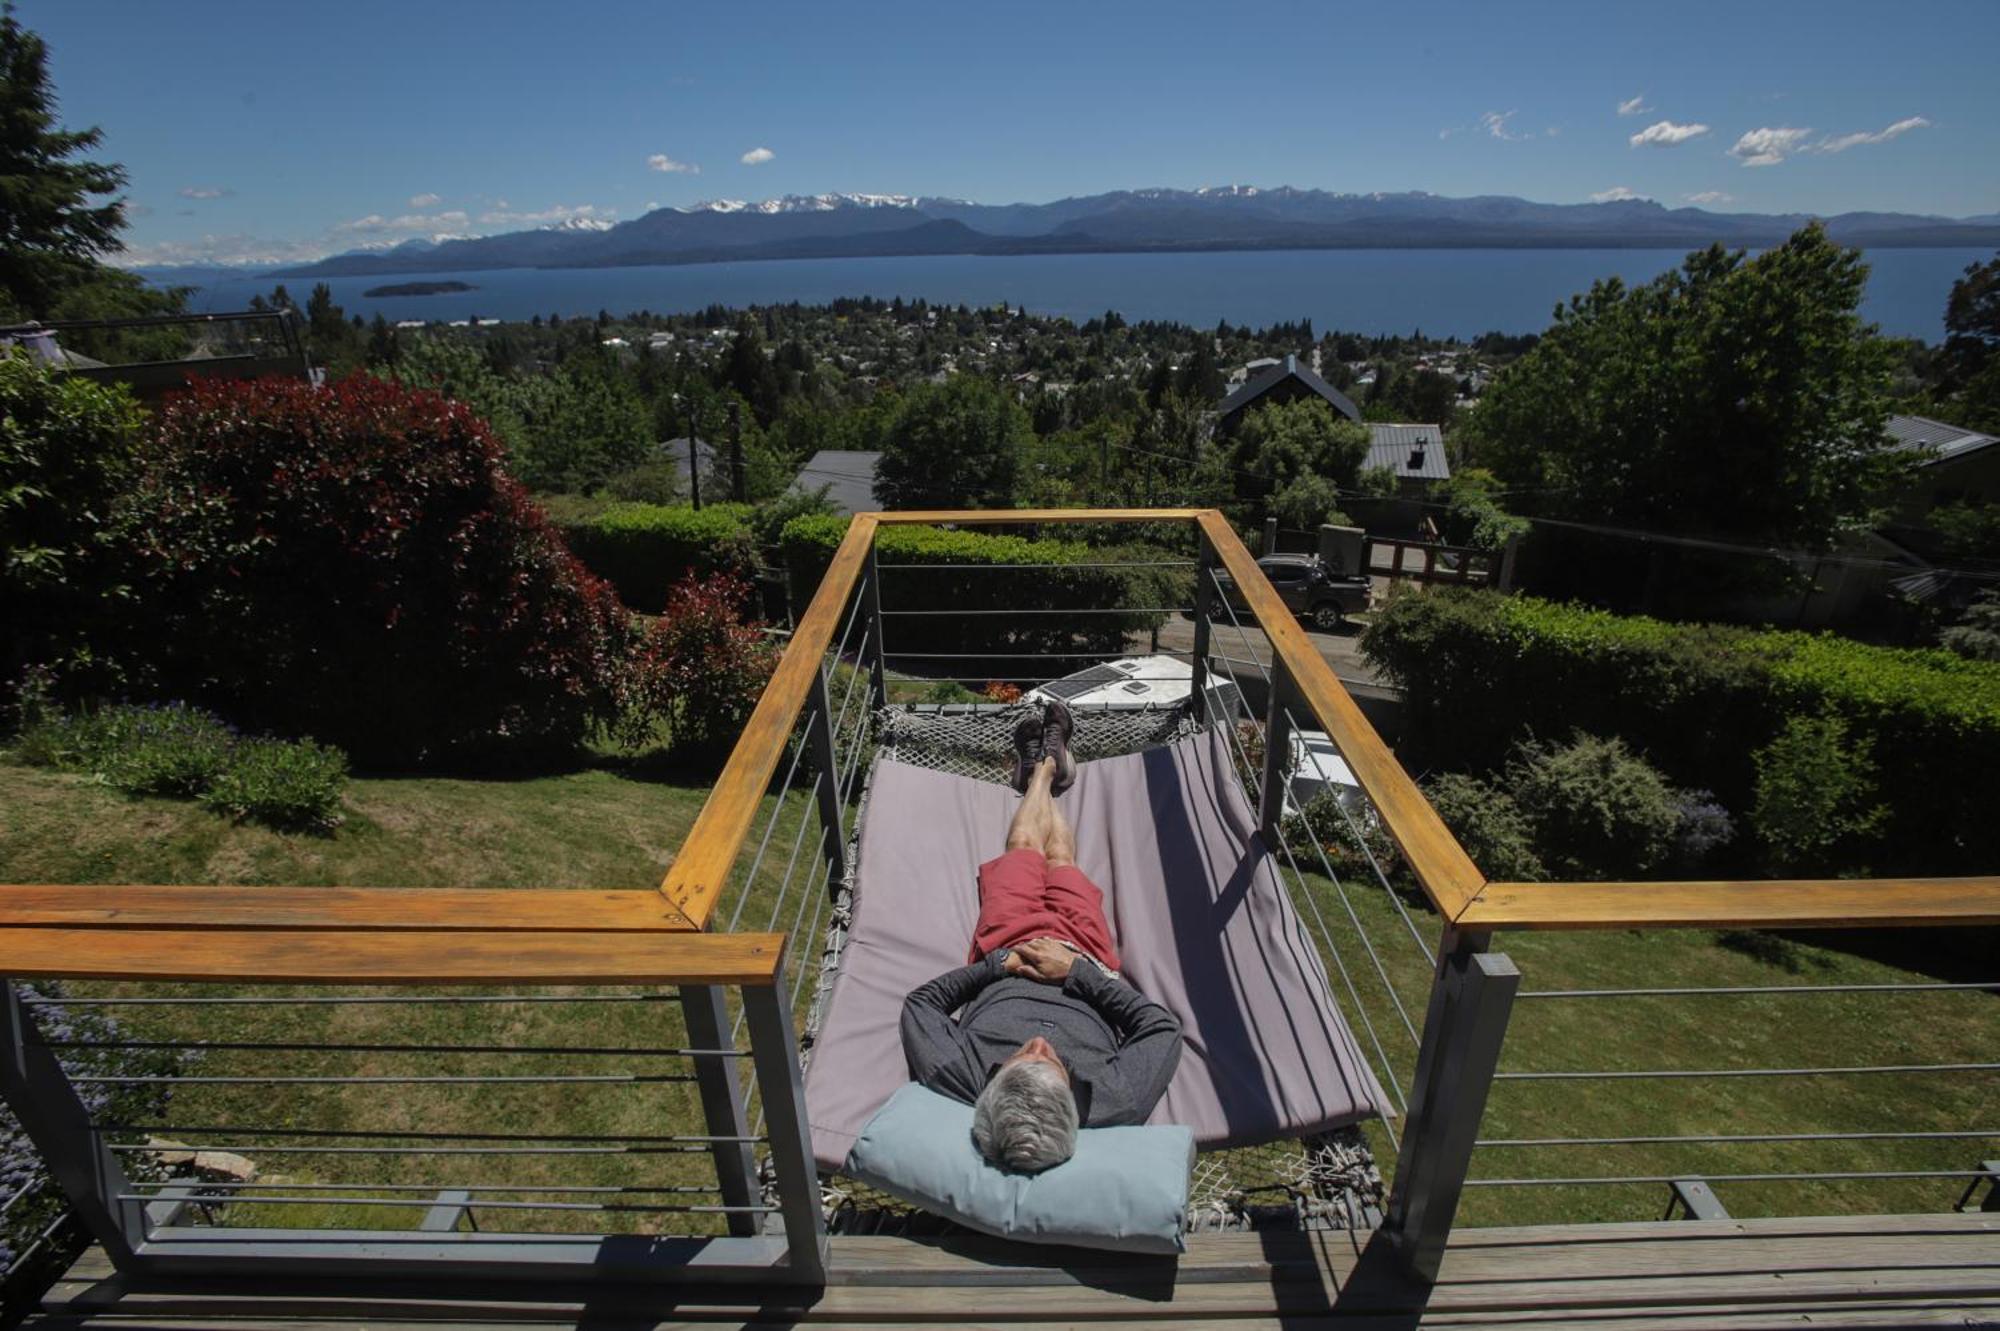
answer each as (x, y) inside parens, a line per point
(1441, 292)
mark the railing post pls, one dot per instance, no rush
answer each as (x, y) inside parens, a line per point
(871, 590)
(707, 1019)
(1204, 587)
(1464, 1027)
(776, 1055)
(47, 1107)
(819, 731)
(1277, 751)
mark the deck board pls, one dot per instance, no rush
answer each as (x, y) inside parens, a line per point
(1941, 1270)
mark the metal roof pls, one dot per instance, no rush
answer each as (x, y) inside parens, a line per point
(1946, 442)
(1393, 446)
(847, 474)
(1274, 375)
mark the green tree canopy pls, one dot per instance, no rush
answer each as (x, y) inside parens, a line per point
(1971, 361)
(953, 445)
(1298, 458)
(1733, 397)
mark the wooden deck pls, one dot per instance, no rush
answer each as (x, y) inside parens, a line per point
(1882, 1271)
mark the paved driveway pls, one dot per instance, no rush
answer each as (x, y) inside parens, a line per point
(1342, 650)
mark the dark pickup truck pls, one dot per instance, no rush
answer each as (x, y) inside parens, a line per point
(1308, 588)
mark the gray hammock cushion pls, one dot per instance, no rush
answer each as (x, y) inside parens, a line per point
(1193, 897)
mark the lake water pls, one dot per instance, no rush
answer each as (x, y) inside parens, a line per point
(1441, 292)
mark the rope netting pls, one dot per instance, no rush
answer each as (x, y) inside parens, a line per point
(1328, 1181)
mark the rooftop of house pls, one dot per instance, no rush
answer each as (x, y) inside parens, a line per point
(1948, 442)
(1413, 451)
(847, 474)
(1275, 374)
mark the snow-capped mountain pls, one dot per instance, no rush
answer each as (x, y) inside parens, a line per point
(802, 203)
(1219, 217)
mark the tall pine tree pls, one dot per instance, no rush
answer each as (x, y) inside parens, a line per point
(57, 213)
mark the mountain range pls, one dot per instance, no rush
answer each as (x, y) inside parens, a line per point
(1234, 217)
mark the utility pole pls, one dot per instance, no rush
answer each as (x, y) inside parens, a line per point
(694, 453)
(736, 451)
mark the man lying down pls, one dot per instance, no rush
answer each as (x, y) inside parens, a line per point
(1049, 1037)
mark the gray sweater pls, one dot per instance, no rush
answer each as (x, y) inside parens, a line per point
(1119, 1046)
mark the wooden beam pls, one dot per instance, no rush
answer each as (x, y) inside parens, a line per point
(695, 881)
(421, 908)
(1838, 903)
(1441, 866)
(341, 956)
(994, 517)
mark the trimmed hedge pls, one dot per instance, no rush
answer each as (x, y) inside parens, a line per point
(968, 581)
(644, 549)
(1481, 671)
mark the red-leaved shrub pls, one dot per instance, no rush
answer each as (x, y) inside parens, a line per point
(352, 562)
(701, 668)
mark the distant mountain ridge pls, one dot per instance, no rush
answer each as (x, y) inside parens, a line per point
(1231, 217)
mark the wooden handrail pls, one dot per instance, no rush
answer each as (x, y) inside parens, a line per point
(1836, 903)
(995, 517)
(1449, 878)
(695, 880)
(1441, 866)
(433, 908)
(390, 956)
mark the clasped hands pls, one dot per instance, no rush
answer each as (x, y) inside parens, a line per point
(1041, 959)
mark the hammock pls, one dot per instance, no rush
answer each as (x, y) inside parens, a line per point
(1203, 923)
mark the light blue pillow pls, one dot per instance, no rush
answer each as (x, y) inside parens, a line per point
(1124, 1189)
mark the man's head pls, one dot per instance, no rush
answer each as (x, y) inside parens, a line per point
(1026, 1118)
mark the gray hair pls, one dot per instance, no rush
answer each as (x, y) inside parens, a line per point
(1025, 1119)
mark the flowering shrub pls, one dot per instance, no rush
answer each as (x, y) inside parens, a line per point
(180, 750)
(999, 690)
(701, 668)
(352, 562)
(294, 785)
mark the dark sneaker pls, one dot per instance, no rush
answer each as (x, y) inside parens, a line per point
(1027, 750)
(1057, 728)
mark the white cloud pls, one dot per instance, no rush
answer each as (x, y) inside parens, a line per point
(662, 162)
(425, 200)
(375, 223)
(1617, 194)
(1709, 196)
(1495, 123)
(1768, 147)
(757, 156)
(1635, 107)
(549, 216)
(1846, 141)
(220, 249)
(204, 192)
(1665, 134)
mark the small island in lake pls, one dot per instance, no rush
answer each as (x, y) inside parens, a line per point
(420, 289)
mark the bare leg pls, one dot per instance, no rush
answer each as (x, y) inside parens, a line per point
(1032, 821)
(1058, 840)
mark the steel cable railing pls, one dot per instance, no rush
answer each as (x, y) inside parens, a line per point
(1916, 1147)
(1326, 945)
(226, 1202)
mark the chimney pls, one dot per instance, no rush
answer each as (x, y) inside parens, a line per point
(1416, 462)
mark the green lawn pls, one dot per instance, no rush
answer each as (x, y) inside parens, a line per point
(607, 828)
(595, 828)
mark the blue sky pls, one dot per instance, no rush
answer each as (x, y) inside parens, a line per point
(260, 131)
